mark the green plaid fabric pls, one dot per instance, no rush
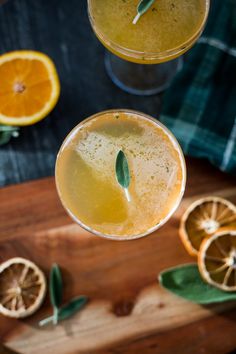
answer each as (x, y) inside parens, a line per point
(200, 106)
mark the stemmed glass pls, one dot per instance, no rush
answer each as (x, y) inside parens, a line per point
(142, 59)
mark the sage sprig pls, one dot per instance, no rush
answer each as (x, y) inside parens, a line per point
(56, 295)
(143, 7)
(122, 173)
(185, 281)
(67, 310)
(7, 132)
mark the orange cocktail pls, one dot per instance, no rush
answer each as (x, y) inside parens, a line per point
(87, 182)
(165, 31)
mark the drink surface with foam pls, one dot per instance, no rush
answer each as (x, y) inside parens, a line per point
(86, 176)
(167, 25)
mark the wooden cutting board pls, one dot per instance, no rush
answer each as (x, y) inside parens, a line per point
(128, 311)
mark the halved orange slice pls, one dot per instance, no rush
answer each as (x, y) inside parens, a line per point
(22, 287)
(217, 260)
(29, 87)
(204, 218)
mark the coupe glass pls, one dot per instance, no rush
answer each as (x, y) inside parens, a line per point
(69, 169)
(142, 72)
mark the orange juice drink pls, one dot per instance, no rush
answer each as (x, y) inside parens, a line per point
(168, 29)
(87, 182)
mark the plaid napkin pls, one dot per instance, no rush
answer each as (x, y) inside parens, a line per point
(200, 106)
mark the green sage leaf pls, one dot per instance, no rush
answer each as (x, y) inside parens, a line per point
(186, 282)
(122, 170)
(143, 7)
(55, 287)
(7, 132)
(72, 307)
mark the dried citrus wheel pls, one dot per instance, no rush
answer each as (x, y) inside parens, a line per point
(217, 260)
(29, 87)
(22, 287)
(204, 218)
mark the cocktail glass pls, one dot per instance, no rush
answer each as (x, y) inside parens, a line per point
(142, 59)
(86, 177)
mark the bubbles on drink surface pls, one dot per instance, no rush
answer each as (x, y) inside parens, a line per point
(155, 168)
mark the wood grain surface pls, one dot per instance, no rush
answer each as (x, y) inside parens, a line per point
(128, 311)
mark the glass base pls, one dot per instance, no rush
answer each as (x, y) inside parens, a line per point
(141, 79)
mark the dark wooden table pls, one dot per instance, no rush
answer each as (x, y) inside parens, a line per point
(62, 30)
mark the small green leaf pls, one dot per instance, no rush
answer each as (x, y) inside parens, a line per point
(72, 307)
(55, 289)
(55, 286)
(143, 7)
(122, 170)
(7, 132)
(186, 282)
(5, 137)
(122, 173)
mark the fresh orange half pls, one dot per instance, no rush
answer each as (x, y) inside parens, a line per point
(22, 287)
(217, 260)
(204, 218)
(29, 87)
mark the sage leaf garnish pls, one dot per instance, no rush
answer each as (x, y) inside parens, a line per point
(72, 307)
(7, 132)
(143, 7)
(122, 173)
(55, 289)
(185, 281)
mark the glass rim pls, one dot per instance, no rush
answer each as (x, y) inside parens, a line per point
(140, 55)
(183, 182)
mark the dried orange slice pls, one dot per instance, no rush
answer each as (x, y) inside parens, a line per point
(29, 87)
(22, 287)
(217, 260)
(204, 218)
